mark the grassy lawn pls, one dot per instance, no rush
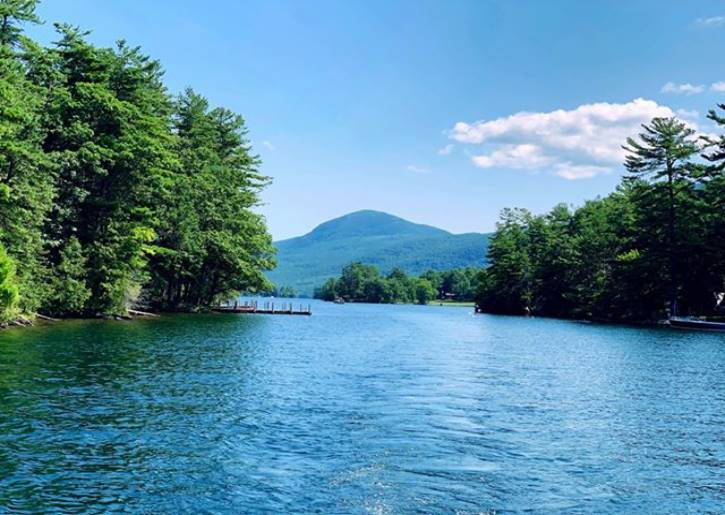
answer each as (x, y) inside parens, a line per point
(452, 303)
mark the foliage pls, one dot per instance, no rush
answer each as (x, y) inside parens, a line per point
(652, 246)
(373, 238)
(283, 292)
(8, 287)
(210, 242)
(113, 192)
(26, 183)
(69, 290)
(365, 283)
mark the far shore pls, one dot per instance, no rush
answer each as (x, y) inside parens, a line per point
(453, 303)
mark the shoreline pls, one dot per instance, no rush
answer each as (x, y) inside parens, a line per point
(599, 321)
(37, 319)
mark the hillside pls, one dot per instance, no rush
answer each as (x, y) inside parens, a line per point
(374, 238)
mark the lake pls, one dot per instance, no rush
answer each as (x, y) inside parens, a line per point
(361, 408)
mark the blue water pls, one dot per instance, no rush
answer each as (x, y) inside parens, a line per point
(361, 408)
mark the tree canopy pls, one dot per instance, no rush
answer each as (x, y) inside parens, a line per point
(652, 248)
(114, 192)
(365, 283)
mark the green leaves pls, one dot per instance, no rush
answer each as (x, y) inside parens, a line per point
(9, 294)
(211, 244)
(364, 283)
(655, 240)
(13, 13)
(111, 190)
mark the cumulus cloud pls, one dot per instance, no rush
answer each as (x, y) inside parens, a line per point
(446, 150)
(688, 114)
(718, 86)
(713, 21)
(687, 88)
(524, 156)
(573, 144)
(574, 172)
(417, 169)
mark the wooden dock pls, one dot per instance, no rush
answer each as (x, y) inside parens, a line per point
(266, 308)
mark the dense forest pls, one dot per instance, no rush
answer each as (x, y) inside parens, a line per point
(113, 192)
(654, 247)
(365, 283)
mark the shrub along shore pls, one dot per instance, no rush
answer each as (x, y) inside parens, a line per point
(113, 192)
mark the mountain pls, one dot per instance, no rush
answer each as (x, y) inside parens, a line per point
(373, 238)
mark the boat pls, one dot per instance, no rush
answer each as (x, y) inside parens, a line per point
(339, 300)
(693, 323)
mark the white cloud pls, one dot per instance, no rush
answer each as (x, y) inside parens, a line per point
(524, 156)
(713, 21)
(575, 172)
(268, 145)
(718, 86)
(574, 144)
(446, 150)
(687, 88)
(417, 169)
(688, 115)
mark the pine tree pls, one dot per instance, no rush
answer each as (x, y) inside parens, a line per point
(108, 132)
(14, 13)
(26, 183)
(211, 243)
(662, 156)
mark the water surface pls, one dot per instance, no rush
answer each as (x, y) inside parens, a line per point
(361, 408)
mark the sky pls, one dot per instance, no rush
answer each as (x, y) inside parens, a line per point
(442, 112)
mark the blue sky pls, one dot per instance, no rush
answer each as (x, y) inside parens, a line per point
(443, 112)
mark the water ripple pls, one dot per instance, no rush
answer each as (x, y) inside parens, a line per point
(360, 409)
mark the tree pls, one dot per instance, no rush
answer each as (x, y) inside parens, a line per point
(510, 274)
(107, 130)
(662, 156)
(716, 147)
(211, 243)
(26, 183)
(657, 238)
(8, 287)
(111, 191)
(13, 13)
(352, 281)
(69, 290)
(713, 201)
(424, 291)
(327, 291)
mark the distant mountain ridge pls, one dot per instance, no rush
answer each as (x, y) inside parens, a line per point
(374, 238)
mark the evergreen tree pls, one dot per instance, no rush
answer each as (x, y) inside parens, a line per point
(108, 133)
(13, 14)
(26, 184)
(101, 172)
(211, 242)
(9, 293)
(662, 156)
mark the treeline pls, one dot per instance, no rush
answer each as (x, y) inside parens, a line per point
(365, 283)
(282, 292)
(112, 191)
(654, 247)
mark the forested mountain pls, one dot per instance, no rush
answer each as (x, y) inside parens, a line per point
(372, 238)
(113, 192)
